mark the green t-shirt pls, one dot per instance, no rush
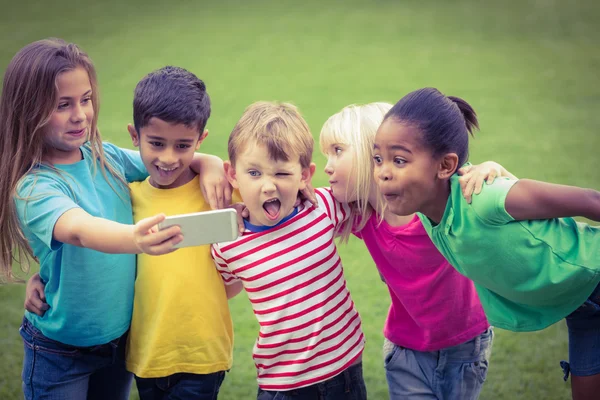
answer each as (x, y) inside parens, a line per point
(528, 274)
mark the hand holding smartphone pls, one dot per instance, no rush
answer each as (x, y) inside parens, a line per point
(204, 227)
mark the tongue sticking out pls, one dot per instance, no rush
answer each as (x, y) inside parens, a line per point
(272, 208)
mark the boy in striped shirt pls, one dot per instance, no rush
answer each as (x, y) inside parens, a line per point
(310, 340)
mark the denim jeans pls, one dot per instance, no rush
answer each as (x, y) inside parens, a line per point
(349, 385)
(584, 338)
(453, 373)
(54, 370)
(181, 386)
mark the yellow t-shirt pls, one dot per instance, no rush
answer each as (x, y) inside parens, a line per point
(181, 320)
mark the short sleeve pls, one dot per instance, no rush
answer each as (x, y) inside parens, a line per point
(489, 205)
(40, 201)
(228, 277)
(336, 211)
(129, 162)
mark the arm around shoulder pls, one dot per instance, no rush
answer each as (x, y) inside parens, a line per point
(529, 199)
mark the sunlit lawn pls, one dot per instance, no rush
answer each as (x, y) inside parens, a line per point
(530, 69)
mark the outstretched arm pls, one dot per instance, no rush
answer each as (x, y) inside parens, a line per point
(78, 228)
(529, 199)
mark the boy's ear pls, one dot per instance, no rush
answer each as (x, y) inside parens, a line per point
(135, 138)
(201, 139)
(307, 174)
(448, 166)
(230, 174)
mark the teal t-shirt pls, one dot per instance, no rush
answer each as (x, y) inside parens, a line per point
(90, 293)
(528, 274)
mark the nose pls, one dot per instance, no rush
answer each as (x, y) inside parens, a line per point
(268, 186)
(78, 114)
(167, 157)
(382, 172)
(329, 167)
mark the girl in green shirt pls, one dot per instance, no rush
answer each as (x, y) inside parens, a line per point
(531, 262)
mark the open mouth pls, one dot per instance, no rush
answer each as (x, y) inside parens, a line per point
(77, 133)
(165, 172)
(272, 208)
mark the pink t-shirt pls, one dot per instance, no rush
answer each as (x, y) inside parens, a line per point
(433, 306)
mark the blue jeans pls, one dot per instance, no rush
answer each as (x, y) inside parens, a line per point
(584, 338)
(348, 385)
(54, 370)
(181, 386)
(453, 373)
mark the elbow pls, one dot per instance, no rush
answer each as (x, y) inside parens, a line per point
(594, 205)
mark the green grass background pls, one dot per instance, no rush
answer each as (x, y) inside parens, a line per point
(530, 69)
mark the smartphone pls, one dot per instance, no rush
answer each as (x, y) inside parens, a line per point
(204, 227)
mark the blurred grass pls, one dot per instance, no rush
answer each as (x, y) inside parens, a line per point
(529, 68)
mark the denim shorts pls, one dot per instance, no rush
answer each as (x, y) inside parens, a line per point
(55, 370)
(181, 386)
(349, 385)
(452, 373)
(584, 338)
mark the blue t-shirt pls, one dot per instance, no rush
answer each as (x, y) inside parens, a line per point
(528, 274)
(90, 293)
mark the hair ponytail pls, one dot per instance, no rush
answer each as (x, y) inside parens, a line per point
(444, 122)
(468, 113)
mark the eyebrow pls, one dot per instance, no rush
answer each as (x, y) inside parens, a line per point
(83, 95)
(395, 147)
(162, 138)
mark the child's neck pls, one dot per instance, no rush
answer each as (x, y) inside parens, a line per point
(435, 208)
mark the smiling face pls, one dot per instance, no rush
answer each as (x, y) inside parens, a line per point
(405, 171)
(167, 151)
(68, 127)
(269, 188)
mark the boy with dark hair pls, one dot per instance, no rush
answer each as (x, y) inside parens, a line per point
(181, 337)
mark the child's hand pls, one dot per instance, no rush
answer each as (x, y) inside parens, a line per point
(242, 212)
(215, 188)
(307, 194)
(150, 240)
(473, 176)
(35, 298)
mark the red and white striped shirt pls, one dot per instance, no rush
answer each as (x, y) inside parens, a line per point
(293, 275)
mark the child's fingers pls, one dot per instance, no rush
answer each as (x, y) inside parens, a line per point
(146, 224)
(492, 176)
(166, 246)
(34, 304)
(478, 184)
(467, 183)
(227, 196)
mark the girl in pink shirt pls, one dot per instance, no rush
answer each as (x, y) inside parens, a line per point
(437, 338)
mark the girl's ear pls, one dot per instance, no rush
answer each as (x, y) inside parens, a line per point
(230, 174)
(307, 174)
(135, 138)
(448, 166)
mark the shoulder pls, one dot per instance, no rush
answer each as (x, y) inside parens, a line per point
(41, 180)
(489, 205)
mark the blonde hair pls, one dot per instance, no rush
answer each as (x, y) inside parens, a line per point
(355, 126)
(29, 97)
(277, 126)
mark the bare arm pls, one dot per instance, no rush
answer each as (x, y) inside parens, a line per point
(529, 199)
(78, 228)
(213, 183)
(234, 289)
